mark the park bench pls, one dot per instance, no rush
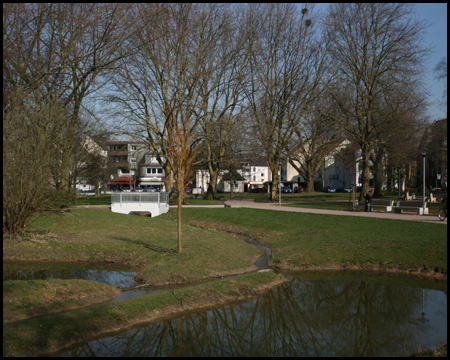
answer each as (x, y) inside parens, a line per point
(382, 204)
(407, 196)
(432, 198)
(410, 205)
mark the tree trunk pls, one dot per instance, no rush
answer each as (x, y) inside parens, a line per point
(366, 171)
(212, 184)
(310, 182)
(168, 179)
(378, 176)
(180, 186)
(275, 181)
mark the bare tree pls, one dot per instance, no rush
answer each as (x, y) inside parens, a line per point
(401, 110)
(373, 46)
(221, 93)
(315, 137)
(285, 59)
(27, 122)
(177, 82)
(62, 50)
(441, 74)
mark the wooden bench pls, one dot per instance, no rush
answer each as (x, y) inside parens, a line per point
(410, 205)
(382, 204)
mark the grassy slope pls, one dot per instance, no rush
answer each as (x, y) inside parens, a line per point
(308, 240)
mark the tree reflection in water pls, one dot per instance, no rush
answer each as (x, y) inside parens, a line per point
(300, 318)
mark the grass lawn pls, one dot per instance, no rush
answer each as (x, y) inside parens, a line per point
(148, 244)
(298, 241)
(301, 241)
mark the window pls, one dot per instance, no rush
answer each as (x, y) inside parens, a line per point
(133, 147)
(132, 160)
(159, 171)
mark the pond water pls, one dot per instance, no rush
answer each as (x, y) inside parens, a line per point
(314, 316)
(109, 274)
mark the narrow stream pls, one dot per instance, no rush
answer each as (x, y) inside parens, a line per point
(311, 315)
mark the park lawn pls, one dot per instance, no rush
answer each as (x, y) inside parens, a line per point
(103, 199)
(309, 241)
(298, 241)
(23, 299)
(147, 244)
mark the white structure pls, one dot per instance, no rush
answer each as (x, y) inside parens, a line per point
(82, 184)
(151, 173)
(246, 177)
(341, 167)
(156, 203)
(256, 175)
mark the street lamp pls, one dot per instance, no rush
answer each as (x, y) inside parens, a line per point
(423, 202)
(279, 184)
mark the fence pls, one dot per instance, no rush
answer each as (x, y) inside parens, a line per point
(157, 203)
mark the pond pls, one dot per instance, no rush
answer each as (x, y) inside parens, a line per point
(111, 274)
(311, 315)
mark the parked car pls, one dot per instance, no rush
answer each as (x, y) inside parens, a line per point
(299, 189)
(126, 189)
(286, 190)
(139, 189)
(345, 189)
(151, 189)
(114, 189)
(329, 189)
(187, 190)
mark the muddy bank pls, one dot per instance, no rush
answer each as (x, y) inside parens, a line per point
(55, 332)
(376, 268)
(19, 297)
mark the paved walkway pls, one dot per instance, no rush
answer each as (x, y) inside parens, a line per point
(274, 206)
(380, 215)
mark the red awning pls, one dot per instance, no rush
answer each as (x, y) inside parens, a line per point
(121, 182)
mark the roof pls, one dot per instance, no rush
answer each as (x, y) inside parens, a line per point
(235, 176)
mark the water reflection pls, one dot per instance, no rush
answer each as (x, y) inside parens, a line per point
(118, 278)
(301, 318)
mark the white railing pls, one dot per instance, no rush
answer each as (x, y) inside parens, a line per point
(156, 203)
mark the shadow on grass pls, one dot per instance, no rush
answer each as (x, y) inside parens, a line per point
(155, 248)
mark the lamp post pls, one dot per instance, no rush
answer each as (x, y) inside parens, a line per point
(279, 184)
(423, 202)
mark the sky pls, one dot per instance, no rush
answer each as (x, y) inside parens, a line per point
(436, 36)
(436, 15)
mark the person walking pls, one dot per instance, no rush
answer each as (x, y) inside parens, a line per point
(367, 199)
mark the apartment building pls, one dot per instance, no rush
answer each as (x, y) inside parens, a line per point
(134, 166)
